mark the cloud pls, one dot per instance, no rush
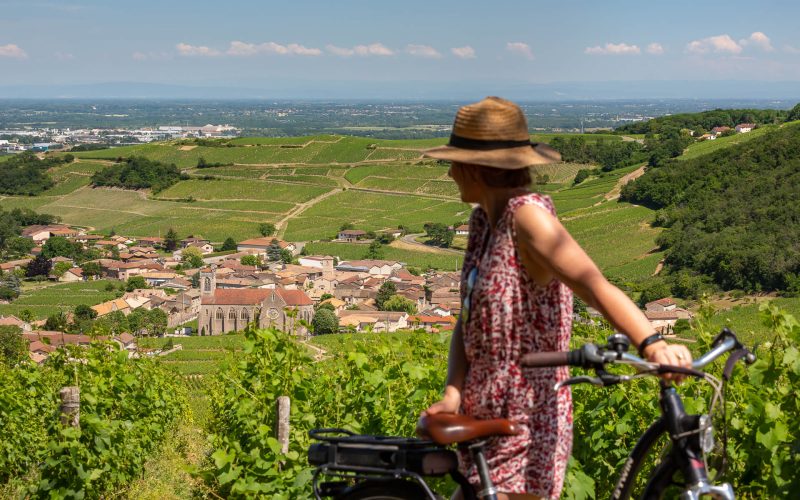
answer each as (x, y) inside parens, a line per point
(791, 50)
(238, 48)
(12, 50)
(719, 44)
(759, 40)
(465, 52)
(423, 51)
(614, 49)
(655, 48)
(520, 48)
(185, 49)
(151, 56)
(373, 49)
(64, 56)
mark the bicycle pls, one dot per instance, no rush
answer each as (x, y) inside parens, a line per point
(379, 467)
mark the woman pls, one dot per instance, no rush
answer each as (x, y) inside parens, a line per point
(519, 270)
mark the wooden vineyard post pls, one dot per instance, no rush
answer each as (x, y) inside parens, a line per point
(70, 406)
(283, 423)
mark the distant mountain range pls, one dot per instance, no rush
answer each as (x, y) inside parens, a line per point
(560, 91)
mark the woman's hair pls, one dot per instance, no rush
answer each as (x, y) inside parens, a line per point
(504, 178)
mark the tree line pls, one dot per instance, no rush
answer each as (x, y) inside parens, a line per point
(732, 216)
(138, 172)
(26, 175)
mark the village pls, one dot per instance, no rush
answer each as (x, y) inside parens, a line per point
(264, 282)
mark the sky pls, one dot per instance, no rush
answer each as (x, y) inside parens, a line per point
(406, 46)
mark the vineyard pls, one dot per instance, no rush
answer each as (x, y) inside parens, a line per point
(128, 407)
(382, 385)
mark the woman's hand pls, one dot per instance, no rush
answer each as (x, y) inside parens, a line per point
(669, 354)
(449, 403)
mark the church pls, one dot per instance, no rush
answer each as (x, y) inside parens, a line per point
(228, 310)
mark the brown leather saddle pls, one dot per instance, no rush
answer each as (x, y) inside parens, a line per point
(450, 428)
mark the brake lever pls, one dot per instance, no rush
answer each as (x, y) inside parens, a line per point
(583, 379)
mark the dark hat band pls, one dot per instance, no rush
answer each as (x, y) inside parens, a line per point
(458, 141)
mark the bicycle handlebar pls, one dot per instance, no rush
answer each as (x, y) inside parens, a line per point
(594, 356)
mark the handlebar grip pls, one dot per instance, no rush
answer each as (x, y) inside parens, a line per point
(544, 359)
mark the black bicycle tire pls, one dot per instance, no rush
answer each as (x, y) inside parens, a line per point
(401, 489)
(633, 465)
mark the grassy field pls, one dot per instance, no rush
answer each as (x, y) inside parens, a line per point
(200, 355)
(51, 298)
(419, 259)
(706, 147)
(371, 211)
(744, 319)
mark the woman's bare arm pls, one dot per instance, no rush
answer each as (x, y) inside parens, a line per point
(545, 243)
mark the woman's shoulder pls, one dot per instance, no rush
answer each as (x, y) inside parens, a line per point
(541, 200)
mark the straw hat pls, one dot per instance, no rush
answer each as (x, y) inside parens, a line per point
(493, 133)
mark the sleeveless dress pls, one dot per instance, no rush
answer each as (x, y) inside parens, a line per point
(511, 315)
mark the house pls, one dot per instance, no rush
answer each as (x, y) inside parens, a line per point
(38, 233)
(381, 321)
(112, 305)
(717, 131)
(72, 274)
(664, 321)
(13, 265)
(660, 305)
(338, 305)
(263, 244)
(181, 308)
(324, 262)
(15, 321)
(433, 323)
(193, 239)
(371, 266)
(707, 137)
(743, 128)
(153, 241)
(127, 341)
(462, 230)
(205, 248)
(394, 233)
(226, 310)
(158, 278)
(351, 235)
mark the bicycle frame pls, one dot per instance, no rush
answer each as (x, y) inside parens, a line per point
(685, 455)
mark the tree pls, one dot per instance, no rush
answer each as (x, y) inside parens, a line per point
(794, 114)
(251, 260)
(438, 234)
(192, 257)
(56, 322)
(266, 229)
(156, 323)
(91, 269)
(26, 315)
(228, 244)
(326, 305)
(61, 247)
(13, 346)
(9, 286)
(40, 266)
(375, 251)
(399, 303)
(346, 226)
(171, 240)
(274, 250)
(135, 283)
(60, 268)
(386, 291)
(324, 322)
(84, 312)
(325, 296)
(286, 256)
(18, 245)
(114, 322)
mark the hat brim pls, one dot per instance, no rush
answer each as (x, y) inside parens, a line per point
(507, 158)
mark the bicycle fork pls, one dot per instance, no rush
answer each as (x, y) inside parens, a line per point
(687, 451)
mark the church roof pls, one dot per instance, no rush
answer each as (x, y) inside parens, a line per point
(253, 296)
(233, 296)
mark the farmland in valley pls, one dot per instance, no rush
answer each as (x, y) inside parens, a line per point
(46, 299)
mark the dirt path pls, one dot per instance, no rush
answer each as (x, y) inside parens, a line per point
(300, 208)
(614, 193)
(408, 242)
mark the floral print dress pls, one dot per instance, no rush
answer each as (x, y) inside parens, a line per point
(510, 315)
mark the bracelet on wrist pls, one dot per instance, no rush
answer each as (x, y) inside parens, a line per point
(652, 339)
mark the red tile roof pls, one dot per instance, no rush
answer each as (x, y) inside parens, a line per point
(294, 297)
(232, 296)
